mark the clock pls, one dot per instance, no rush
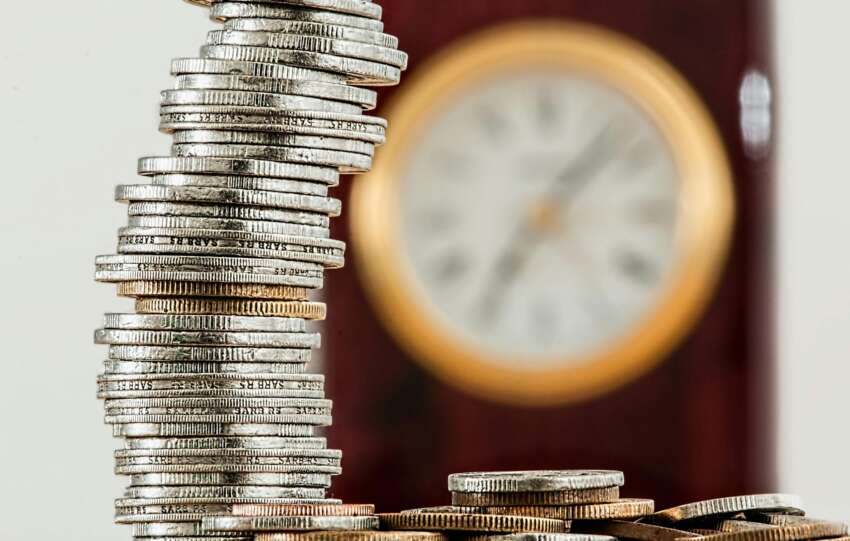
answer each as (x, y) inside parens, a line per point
(550, 214)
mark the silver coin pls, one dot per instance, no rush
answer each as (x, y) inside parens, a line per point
(191, 382)
(226, 166)
(184, 66)
(237, 491)
(218, 430)
(212, 355)
(528, 536)
(243, 183)
(177, 268)
(293, 405)
(229, 10)
(268, 120)
(201, 194)
(190, 538)
(534, 481)
(136, 368)
(224, 443)
(736, 504)
(360, 8)
(252, 226)
(230, 465)
(304, 523)
(275, 139)
(203, 322)
(349, 162)
(308, 28)
(227, 212)
(305, 456)
(366, 99)
(169, 529)
(310, 44)
(242, 98)
(207, 338)
(295, 480)
(213, 393)
(181, 504)
(359, 71)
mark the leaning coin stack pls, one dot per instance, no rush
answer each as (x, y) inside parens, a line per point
(756, 517)
(524, 506)
(207, 380)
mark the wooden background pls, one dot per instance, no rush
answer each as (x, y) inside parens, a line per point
(699, 426)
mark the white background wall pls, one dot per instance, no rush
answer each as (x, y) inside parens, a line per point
(78, 96)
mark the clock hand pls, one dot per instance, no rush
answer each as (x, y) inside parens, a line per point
(580, 171)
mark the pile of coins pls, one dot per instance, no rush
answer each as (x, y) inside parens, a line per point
(207, 381)
(564, 505)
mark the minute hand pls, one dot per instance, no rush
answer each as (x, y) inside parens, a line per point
(579, 173)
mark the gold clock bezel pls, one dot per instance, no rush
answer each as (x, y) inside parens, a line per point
(706, 211)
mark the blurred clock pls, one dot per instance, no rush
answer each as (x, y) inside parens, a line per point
(549, 216)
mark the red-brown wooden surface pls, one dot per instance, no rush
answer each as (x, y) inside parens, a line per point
(699, 426)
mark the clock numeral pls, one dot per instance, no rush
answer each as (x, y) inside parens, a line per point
(547, 112)
(492, 123)
(451, 267)
(636, 267)
(654, 213)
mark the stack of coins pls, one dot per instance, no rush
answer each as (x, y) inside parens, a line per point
(207, 381)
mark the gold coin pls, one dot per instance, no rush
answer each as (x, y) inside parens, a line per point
(239, 307)
(470, 522)
(561, 497)
(352, 536)
(811, 529)
(633, 530)
(728, 506)
(622, 509)
(211, 289)
(311, 510)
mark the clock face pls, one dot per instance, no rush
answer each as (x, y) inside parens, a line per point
(539, 213)
(549, 216)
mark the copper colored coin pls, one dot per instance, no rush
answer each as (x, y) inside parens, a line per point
(287, 510)
(563, 497)
(632, 530)
(210, 289)
(469, 523)
(812, 529)
(731, 505)
(623, 509)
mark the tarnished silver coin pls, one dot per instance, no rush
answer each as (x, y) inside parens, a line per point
(246, 98)
(295, 480)
(224, 442)
(202, 66)
(253, 226)
(275, 139)
(242, 10)
(534, 481)
(311, 28)
(201, 354)
(237, 182)
(158, 165)
(207, 338)
(529, 536)
(227, 212)
(230, 491)
(191, 430)
(290, 523)
(166, 368)
(179, 322)
(348, 162)
(359, 8)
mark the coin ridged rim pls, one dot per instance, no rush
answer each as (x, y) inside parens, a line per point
(306, 503)
(214, 429)
(310, 44)
(366, 535)
(359, 8)
(271, 509)
(154, 165)
(307, 381)
(219, 403)
(224, 491)
(364, 97)
(335, 454)
(169, 529)
(227, 212)
(172, 122)
(359, 71)
(338, 144)
(248, 307)
(204, 66)
(622, 509)
(295, 523)
(189, 222)
(561, 497)
(251, 98)
(334, 245)
(206, 322)
(223, 10)
(226, 468)
(351, 124)
(470, 522)
(293, 419)
(222, 443)
(208, 354)
(295, 480)
(207, 338)
(238, 182)
(348, 162)
(126, 193)
(169, 368)
(160, 289)
(734, 504)
(325, 30)
(534, 481)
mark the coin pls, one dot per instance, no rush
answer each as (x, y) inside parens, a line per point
(312, 28)
(225, 212)
(563, 497)
(534, 481)
(146, 288)
(294, 480)
(792, 532)
(239, 10)
(224, 442)
(469, 522)
(295, 309)
(224, 491)
(208, 338)
(256, 168)
(351, 536)
(632, 530)
(621, 509)
(737, 504)
(292, 523)
(203, 66)
(272, 510)
(530, 536)
(184, 430)
(185, 322)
